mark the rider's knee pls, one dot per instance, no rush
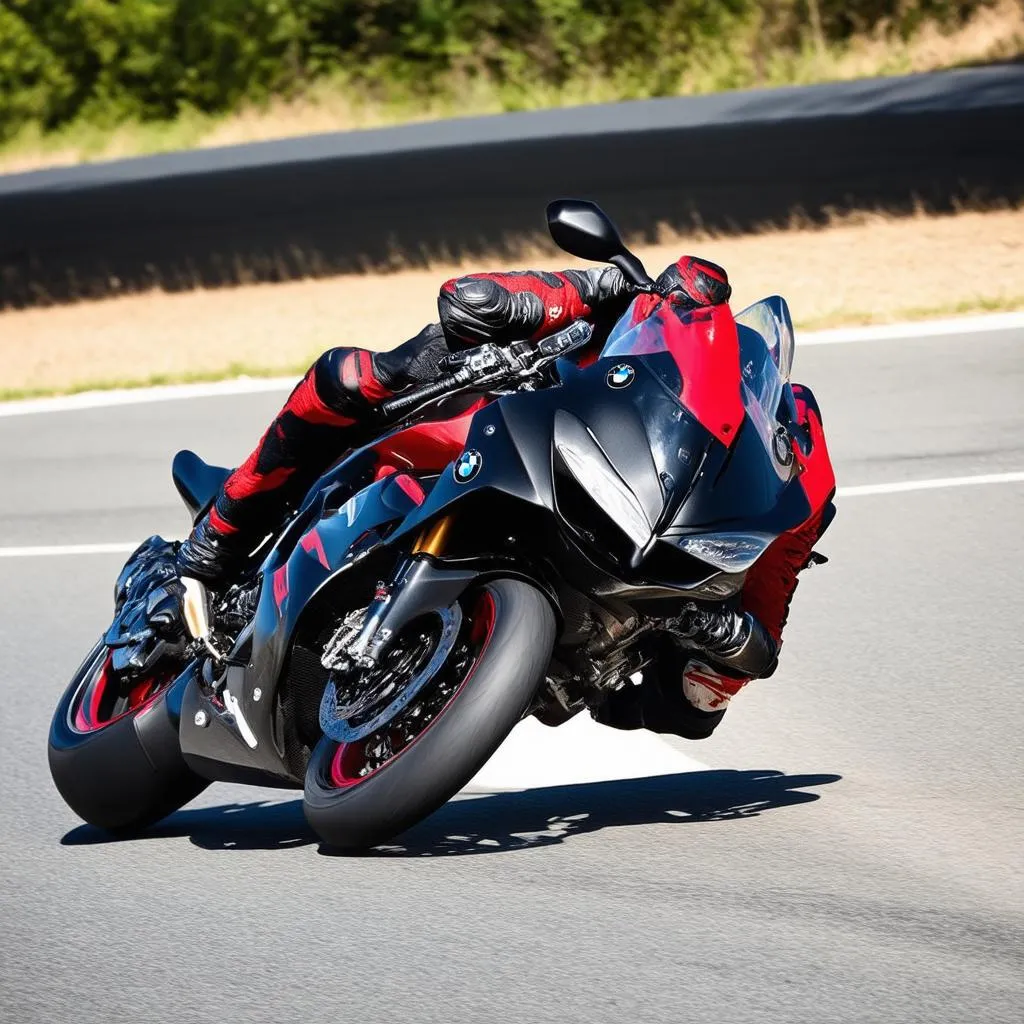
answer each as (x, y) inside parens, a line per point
(346, 380)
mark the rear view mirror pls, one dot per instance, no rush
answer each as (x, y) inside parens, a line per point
(585, 230)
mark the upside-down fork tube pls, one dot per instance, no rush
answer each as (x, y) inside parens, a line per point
(422, 587)
(432, 540)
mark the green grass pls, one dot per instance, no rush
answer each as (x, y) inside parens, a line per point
(339, 101)
(235, 370)
(231, 372)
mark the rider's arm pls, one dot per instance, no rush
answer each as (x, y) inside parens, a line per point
(527, 304)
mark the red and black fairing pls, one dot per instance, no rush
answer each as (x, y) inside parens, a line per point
(687, 437)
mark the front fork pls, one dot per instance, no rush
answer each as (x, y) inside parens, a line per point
(418, 586)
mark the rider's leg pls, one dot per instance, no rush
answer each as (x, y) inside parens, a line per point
(665, 703)
(330, 410)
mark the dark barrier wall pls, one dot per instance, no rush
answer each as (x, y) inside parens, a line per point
(458, 188)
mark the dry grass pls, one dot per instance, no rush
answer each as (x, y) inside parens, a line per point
(863, 269)
(992, 34)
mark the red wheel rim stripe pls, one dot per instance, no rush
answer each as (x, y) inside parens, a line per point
(87, 714)
(481, 632)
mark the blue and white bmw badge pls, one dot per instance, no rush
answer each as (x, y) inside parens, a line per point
(620, 376)
(467, 466)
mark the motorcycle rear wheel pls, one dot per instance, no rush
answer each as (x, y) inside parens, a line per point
(115, 758)
(350, 805)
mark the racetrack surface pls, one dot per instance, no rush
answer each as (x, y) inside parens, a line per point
(850, 852)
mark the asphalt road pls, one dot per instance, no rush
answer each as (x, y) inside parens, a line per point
(851, 853)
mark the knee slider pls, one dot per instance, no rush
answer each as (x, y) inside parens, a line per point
(336, 382)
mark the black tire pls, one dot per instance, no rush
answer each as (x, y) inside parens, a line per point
(127, 774)
(456, 745)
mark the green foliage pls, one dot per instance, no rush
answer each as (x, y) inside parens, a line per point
(108, 61)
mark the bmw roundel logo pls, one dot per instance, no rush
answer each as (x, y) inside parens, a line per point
(467, 465)
(620, 376)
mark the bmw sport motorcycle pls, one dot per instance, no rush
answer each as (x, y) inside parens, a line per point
(522, 556)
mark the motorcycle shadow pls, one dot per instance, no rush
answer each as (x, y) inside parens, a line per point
(502, 822)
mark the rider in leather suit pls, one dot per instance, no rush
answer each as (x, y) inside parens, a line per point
(332, 409)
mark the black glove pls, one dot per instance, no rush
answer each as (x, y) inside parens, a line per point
(415, 362)
(148, 625)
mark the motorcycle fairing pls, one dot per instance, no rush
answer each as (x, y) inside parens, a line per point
(685, 476)
(329, 541)
(704, 347)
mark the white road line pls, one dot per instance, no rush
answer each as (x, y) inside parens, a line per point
(912, 329)
(898, 487)
(255, 385)
(69, 549)
(859, 491)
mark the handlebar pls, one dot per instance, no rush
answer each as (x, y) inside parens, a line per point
(489, 366)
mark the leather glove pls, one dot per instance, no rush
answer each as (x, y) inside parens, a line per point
(148, 626)
(415, 362)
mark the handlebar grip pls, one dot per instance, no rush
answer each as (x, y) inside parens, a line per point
(412, 398)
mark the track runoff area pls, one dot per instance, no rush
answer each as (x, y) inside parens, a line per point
(843, 848)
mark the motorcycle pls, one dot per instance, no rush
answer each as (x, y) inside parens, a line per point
(523, 556)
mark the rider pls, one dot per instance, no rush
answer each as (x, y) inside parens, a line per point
(333, 409)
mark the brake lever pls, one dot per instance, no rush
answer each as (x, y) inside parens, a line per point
(489, 363)
(550, 349)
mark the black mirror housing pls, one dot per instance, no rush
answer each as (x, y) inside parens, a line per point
(583, 229)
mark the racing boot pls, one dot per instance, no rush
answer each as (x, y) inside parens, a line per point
(659, 704)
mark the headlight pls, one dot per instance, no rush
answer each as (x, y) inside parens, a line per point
(608, 491)
(730, 552)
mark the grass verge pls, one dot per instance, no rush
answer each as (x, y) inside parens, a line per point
(236, 371)
(864, 269)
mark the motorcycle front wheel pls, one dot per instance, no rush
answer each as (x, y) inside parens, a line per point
(362, 793)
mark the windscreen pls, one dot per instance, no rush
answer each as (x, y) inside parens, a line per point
(723, 369)
(694, 352)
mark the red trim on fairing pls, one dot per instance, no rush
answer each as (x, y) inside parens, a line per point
(312, 543)
(706, 348)
(347, 758)
(817, 477)
(772, 580)
(412, 488)
(431, 445)
(280, 580)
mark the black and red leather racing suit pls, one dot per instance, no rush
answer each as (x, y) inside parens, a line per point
(331, 410)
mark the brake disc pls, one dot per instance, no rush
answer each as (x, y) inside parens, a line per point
(336, 716)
